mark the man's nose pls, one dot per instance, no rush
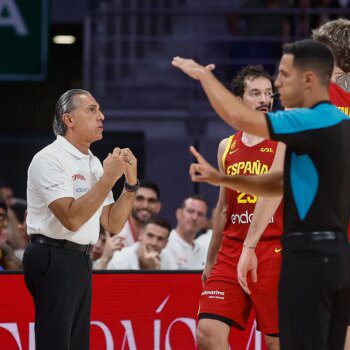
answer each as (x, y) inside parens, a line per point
(101, 116)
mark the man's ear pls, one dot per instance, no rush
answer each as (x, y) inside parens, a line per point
(309, 78)
(178, 213)
(159, 207)
(67, 120)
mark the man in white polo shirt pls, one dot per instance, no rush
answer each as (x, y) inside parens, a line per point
(148, 253)
(191, 218)
(69, 194)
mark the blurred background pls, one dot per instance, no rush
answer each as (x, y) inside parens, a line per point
(121, 50)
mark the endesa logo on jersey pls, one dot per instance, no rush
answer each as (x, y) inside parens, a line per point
(245, 218)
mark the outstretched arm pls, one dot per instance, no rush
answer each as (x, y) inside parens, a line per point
(267, 185)
(226, 105)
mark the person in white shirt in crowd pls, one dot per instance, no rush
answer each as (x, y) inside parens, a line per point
(146, 204)
(204, 238)
(104, 249)
(69, 196)
(191, 218)
(14, 238)
(8, 259)
(148, 253)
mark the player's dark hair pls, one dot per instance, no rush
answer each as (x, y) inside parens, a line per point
(312, 55)
(198, 197)
(156, 220)
(151, 185)
(250, 72)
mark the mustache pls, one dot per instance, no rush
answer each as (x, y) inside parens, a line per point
(268, 106)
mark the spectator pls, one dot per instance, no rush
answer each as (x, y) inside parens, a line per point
(14, 238)
(191, 218)
(204, 239)
(8, 260)
(104, 249)
(149, 252)
(146, 204)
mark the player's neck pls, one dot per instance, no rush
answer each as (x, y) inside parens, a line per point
(251, 140)
(314, 96)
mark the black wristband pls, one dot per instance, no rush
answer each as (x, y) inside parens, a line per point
(131, 188)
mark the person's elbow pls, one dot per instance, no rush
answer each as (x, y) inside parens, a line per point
(72, 225)
(115, 228)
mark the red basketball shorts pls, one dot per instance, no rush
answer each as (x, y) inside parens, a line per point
(223, 298)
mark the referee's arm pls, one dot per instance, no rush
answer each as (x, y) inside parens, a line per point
(226, 105)
(267, 185)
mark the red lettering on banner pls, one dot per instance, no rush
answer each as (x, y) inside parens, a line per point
(129, 312)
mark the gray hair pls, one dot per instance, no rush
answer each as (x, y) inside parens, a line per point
(336, 34)
(65, 104)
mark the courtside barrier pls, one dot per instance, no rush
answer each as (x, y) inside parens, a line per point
(131, 310)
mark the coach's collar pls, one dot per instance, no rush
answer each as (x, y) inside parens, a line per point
(72, 149)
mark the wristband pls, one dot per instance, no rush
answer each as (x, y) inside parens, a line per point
(131, 188)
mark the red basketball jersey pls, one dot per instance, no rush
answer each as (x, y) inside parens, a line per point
(239, 159)
(340, 98)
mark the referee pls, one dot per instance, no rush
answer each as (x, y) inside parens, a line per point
(314, 281)
(69, 195)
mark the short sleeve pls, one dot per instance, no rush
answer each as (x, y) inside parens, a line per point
(287, 126)
(294, 127)
(50, 179)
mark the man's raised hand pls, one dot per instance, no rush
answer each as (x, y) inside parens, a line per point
(190, 67)
(203, 171)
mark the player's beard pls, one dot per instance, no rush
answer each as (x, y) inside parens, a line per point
(139, 218)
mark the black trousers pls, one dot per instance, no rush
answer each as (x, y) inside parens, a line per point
(60, 283)
(314, 291)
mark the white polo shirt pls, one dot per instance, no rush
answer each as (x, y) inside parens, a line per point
(126, 233)
(204, 240)
(187, 256)
(57, 171)
(128, 259)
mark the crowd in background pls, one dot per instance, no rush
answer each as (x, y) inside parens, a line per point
(147, 241)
